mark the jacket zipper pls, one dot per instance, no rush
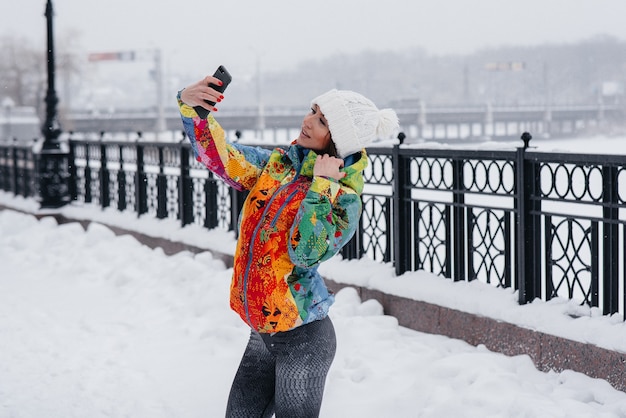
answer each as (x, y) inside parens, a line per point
(254, 235)
(280, 209)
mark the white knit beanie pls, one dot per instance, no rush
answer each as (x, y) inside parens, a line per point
(354, 120)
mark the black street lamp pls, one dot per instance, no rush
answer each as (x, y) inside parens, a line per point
(53, 159)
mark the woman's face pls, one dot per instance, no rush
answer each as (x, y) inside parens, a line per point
(315, 134)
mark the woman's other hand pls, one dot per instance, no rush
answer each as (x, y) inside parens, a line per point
(328, 166)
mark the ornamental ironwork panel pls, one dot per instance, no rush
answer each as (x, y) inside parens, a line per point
(461, 207)
(376, 228)
(431, 173)
(152, 168)
(379, 170)
(18, 170)
(152, 193)
(572, 259)
(172, 197)
(113, 168)
(25, 179)
(490, 246)
(171, 170)
(571, 182)
(432, 235)
(129, 179)
(199, 201)
(583, 216)
(489, 176)
(224, 207)
(80, 165)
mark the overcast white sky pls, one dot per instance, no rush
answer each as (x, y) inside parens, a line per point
(204, 33)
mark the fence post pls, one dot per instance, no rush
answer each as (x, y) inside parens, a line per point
(458, 221)
(29, 175)
(351, 251)
(528, 226)
(121, 183)
(610, 213)
(72, 170)
(141, 181)
(87, 174)
(20, 182)
(161, 183)
(185, 189)
(401, 212)
(210, 195)
(104, 177)
(237, 199)
(14, 184)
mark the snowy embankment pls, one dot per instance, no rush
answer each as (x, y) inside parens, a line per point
(98, 325)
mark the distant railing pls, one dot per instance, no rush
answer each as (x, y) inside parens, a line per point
(417, 119)
(548, 225)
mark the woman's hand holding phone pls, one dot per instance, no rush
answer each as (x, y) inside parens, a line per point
(205, 93)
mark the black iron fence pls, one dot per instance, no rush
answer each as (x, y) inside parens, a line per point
(548, 225)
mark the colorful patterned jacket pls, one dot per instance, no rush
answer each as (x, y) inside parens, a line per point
(291, 221)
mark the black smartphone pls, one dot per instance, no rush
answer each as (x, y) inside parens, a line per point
(222, 74)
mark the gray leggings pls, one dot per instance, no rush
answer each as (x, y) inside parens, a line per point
(283, 373)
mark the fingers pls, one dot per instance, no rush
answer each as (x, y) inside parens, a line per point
(198, 93)
(328, 166)
(327, 159)
(212, 80)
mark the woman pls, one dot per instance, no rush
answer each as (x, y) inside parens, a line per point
(303, 206)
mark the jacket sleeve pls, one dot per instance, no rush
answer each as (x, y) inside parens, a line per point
(328, 217)
(238, 165)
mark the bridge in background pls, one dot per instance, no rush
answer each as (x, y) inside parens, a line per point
(417, 122)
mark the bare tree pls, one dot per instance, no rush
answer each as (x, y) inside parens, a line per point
(22, 71)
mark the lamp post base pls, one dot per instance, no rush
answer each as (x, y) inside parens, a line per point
(53, 178)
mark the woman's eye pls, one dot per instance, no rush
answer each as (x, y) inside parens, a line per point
(312, 110)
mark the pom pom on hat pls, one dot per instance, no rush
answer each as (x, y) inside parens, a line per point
(354, 120)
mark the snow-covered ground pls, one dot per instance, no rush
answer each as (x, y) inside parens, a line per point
(96, 325)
